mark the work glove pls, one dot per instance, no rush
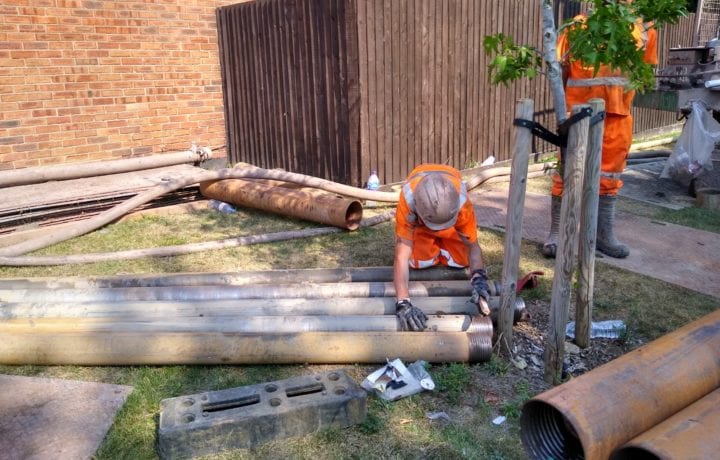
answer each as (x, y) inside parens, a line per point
(411, 317)
(480, 293)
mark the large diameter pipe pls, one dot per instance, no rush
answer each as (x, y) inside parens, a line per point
(592, 415)
(152, 310)
(287, 199)
(99, 168)
(197, 293)
(245, 324)
(692, 433)
(171, 348)
(305, 275)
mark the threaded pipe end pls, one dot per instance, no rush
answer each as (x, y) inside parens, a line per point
(480, 347)
(546, 433)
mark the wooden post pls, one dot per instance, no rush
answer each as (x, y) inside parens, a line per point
(513, 225)
(564, 260)
(588, 229)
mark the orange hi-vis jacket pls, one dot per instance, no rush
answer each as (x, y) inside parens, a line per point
(433, 247)
(610, 85)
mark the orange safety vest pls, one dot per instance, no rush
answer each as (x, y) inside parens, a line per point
(610, 85)
(432, 247)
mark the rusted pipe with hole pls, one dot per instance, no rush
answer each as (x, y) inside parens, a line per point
(167, 251)
(204, 348)
(287, 199)
(692, 433)
(592, 415)
(153, 310)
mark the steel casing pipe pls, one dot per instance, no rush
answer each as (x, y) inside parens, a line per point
(287, 199)
(170, 348)
(262, 291)
(692, 433)
(592, 415)
(239, 278)
(244, 324)
(150, 310)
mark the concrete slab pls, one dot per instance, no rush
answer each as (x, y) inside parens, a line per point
(672, 253)
(42, 418)
(642, 182)
(246, 417)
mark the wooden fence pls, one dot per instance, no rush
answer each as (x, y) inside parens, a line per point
(337, 88)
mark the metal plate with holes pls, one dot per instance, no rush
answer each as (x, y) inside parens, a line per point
(246, 417)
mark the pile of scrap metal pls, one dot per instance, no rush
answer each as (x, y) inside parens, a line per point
(277, 316)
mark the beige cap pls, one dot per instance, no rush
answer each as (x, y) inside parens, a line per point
(436, 201)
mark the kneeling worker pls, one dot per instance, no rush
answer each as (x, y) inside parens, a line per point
(435, 225)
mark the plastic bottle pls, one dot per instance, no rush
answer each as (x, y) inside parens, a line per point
(373, 182)
(225, 208)
(611, 329)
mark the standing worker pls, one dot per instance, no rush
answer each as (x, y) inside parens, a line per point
(581, 84)
(435, 225)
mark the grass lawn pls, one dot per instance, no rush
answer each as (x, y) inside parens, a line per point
(471, 395)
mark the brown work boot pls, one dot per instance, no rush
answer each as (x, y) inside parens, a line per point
(606, 241)
(551, 242)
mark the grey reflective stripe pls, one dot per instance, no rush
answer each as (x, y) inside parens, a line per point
(609, 175)
(600, 81)
(410, 200)
(645, 35)
(463, 195)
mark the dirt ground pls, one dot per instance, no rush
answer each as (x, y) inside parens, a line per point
(529, 343)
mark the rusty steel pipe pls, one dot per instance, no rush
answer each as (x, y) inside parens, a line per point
(592, 415)
(287, 199)
(39, 174)
(691, 433)
(263, 291)
(286, 276)
(151, 310)
(170, 348)
(245, 324)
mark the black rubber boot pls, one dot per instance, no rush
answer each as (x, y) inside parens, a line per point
(606, 241)
(550, 246)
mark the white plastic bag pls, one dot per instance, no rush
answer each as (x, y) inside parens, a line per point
(693, 150)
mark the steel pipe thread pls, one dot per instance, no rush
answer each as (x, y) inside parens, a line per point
(547, 433)
(480, 348)
(480, 325)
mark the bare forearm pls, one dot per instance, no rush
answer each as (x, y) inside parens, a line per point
(476, 257)
(401, 271)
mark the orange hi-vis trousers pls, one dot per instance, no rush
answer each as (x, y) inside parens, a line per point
(438, 248)
(617, 137)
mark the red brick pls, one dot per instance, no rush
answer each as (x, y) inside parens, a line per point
(107, 78)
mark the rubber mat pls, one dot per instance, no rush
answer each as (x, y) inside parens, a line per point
(42, 418)
(672, 253)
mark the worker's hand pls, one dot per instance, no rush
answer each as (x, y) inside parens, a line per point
(480, 294)
(411, 317)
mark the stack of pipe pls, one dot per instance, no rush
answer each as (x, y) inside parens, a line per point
(660, 401)
(278, 316)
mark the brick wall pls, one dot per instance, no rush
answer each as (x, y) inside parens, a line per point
(84, 80)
